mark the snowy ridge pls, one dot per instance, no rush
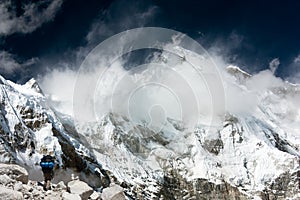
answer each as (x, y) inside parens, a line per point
(235, 69)
(25, 114)
(251, 152)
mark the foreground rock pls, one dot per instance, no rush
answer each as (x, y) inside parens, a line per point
(69, 196)
(113, 192)
(80, 188)
(14, 185)
(95, 196)
(9, 194)
(14, 172)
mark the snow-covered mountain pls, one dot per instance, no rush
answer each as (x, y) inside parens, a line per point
(253, 156)
(30, 129)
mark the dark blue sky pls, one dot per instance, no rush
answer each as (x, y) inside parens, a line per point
(247, 33)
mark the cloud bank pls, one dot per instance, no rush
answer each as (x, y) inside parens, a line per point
(32, 17)
(9, 63)
(184, 94)
(240, 98)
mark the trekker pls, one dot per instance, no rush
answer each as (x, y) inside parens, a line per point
(47, 164)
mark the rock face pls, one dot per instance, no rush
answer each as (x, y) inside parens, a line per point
(80, 188)
(285, 186)
(14, 172)
(113, 192)
(213, 146)
(175, 186)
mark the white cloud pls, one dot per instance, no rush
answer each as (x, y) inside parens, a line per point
(297, 59)
(293, 70)
(273, 65)
(227, 45)
(295, 78)
(118, 85)
(32, 17)
(240, 100)
(9, 64)
(59, 86)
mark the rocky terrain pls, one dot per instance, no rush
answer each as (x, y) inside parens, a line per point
(15, 185)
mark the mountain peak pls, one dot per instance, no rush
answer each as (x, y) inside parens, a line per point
(2, 80)
(32, 84)
(237, 72)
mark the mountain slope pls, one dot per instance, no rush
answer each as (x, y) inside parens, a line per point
(30, 129)
(248, 156)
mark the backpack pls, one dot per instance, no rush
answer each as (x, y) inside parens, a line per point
(47, 162)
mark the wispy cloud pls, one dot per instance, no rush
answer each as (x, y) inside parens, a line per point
(297, 59)
(9, 63)
(273, 65)
(294, 70)
(33, 16)
(227, 45)
(118, 19)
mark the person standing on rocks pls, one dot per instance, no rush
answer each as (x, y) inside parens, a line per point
(47, 163)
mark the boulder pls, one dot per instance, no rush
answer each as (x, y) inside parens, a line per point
(5, 180)
(52, 196)
(69, 196)
(113, 192)
(35, 193)
(95, 196)
(61, 185)
(15, 172)
(18, 186)
(80, 188)
(9, 194)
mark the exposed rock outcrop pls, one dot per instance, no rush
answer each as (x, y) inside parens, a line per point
(175, 186)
